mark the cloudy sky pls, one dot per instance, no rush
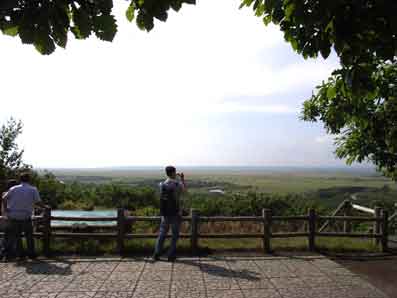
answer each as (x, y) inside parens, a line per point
(211, 86)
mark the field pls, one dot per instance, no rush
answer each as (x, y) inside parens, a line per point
(329, 186)
(285, 191)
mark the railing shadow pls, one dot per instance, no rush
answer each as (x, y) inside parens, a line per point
(220, 271)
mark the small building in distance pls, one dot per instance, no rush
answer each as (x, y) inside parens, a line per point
(217, 191)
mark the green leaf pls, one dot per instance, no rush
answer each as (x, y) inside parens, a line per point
(130, 13)
(60, 23)
(26, 33)
(144, 21)
(294, 44)
(176, 5)
(105, 6)
(60, 37)
(256, 4)
(82, 23)
(325, 50)
(162, 16)
(11, 31)
(331, 92)
(329, 27)
(105, 27)
(267, 19)
(43, 43)
(289, 10)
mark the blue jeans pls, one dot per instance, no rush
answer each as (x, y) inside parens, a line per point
(166, 222)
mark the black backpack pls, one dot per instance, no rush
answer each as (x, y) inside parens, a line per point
(169, 205)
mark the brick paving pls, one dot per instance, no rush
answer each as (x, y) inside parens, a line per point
(228, 277)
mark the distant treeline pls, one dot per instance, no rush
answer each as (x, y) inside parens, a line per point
(149, 182)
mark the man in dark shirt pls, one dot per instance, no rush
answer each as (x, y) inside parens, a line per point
(170, 210)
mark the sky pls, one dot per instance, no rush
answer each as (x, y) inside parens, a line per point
(212, 86)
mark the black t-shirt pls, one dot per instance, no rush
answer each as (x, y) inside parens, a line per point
(170, 192)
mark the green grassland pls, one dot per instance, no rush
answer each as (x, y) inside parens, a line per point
(285, 180)
(329, 186)
(248, 190)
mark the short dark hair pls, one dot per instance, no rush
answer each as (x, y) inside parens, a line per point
(11, 183)
(169, 170)
(25, 177)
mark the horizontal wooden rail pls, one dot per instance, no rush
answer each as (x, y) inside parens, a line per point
(82, 226)
(289, 235)
(36, 234)
(230, 218)
(34, 218)
(150, 218)
(286, 218)
(151, 235)
(350, 235)
(67, 218)
(84, 235)
(350, 218)
(231, 236)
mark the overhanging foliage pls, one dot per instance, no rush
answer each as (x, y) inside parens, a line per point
(46, 23)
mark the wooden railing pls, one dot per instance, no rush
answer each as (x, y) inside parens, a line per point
(347, 208)
(267, 220)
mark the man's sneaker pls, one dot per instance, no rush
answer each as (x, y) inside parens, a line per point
(171, 258)
(155, 257)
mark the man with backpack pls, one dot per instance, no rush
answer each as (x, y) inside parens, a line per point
(170, 211)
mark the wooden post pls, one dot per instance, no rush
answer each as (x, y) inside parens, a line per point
(312, 229)
(47, 232)
(194, 231)
(267, 230)
(347, 212)
(120, 230)
(385, 230)
(376, 229)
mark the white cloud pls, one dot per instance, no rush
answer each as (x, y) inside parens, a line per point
(97, 103)
(324, 139)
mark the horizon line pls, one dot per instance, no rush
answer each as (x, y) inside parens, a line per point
(346, 167)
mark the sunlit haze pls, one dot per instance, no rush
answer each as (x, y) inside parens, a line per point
(211, 86)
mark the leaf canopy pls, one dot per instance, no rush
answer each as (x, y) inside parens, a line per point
(46, 24)
(358, 103)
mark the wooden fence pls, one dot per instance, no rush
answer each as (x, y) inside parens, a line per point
(379, 219)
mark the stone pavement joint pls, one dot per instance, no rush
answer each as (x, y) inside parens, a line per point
(226, 277)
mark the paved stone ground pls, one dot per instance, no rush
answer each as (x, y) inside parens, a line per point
(381, 271)
(245, 277)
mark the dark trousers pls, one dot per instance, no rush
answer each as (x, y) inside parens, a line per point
(14, 234)
(166, 222)
(3, 245)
